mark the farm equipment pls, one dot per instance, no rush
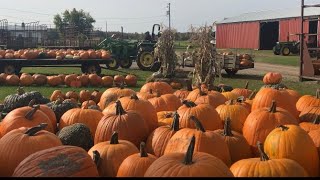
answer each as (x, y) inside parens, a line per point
(286, 48)
(126, 51)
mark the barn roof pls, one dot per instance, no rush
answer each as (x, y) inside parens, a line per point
(271, 15)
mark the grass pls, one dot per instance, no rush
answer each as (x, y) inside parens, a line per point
(255, 81)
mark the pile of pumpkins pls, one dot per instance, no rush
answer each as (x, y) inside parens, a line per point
(159, 132)
(71, 80)
(58, 54)
(245, 59)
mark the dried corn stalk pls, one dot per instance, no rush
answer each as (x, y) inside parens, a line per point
(207, 66)
(165, 52)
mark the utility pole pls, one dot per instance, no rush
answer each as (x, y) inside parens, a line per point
(169, 14)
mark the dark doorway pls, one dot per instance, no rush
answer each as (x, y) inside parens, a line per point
(269, 35)
(313, 29)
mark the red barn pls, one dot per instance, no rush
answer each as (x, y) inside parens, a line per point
(261, 30)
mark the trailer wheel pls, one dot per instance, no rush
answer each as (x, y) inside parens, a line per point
(113, 65)
(94, 69)
(231, 72)
(11, 69)
(125, 63)
(285, 51)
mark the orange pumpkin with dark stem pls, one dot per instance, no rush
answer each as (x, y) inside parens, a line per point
(308, 100)
(266, 119)
(265, 97)
(205, 113)
(88, 117)
(160, 87)
(309, 114)
(159, 138)
(245, 92)
(188, 164)
(95, 80)
(39, 79)
(165, 118)
(111, 95)
(237, 144)
(60, 161)
(26, 80)
(249, 100)
(110, 159)
(310, 126)
(96, 95)
(137, 164)
(107, 81)
(84, 95)
(272, 78)
(237, 113)
(48, 111)
(130, 125)
(146, 96)
(131, 80)
(266, 167)
(13, 80)
(133, 103)
(56, 95)
(205, 141)
(166, 102)
(72, 94)
(292, 142)
(19, 143)
(25, 117)
(118, 80)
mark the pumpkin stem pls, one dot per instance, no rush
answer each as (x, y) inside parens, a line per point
(32, 131)
(175, 122)
(96, 157)
(318, 94)
(32, 103)
(119, 108)
(283, 128)
(114, 138)
(134, 96)
(189, 154)
(189, 104)
(273, 108)
(247, 85)
(263, 155)
(317, 120)
(253, 94)
(198, 124)
(143, 152)
(227, 127)
(20, 90)
(241, 99)
(150, 91)
(30, 114)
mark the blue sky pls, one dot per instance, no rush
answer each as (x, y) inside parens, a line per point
(139, 15)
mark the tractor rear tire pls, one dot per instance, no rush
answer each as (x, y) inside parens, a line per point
(11, 69)
(113, 65)
(285, 51)
(145, 60)
(276, 51)
(231, 72)
(125, 63)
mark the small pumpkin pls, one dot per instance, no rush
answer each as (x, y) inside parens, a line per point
(56, 94)
(12, 80)
(107, 81)
(131, 80)
(69, 78)
(166, 102)
(84, 78)
(72, 94)
(39, 79)
(84, 95)
(26, 80)
(96, 95)
(272, 78)
(245, 92)
(95, 80)
(161, 87)
(54, 80)
(118, 80)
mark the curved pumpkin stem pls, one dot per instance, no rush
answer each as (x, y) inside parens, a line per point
(96, 157)
(227, 127)
(252, 95)
(317, 120)
(273, 108)
(30, 114)
(247, 85)
(263, 155)
(114, 138)
(20, 91)
(318, 94)
(189, 154)
(283, 128)
(32, 131)
(119, 108)
(134, 96)
(143, 152)
(32, 103)
(189, 104)
(175, 122)
(198, 124)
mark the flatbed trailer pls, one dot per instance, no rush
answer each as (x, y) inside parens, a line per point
(14, 66)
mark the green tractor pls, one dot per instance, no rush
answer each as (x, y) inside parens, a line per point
(286, 48)
(126, 51)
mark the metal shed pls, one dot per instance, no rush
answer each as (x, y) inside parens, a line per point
(261, 30)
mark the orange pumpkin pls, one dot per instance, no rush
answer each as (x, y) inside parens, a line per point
(161, 87)
(95, 80)
(272, 78)
(107, 81)
(26, 80)
(131, 80)
(308, 100)
(245, 92)
(13, 80)
(166, 102)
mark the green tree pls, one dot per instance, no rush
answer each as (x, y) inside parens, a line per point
(80, 19)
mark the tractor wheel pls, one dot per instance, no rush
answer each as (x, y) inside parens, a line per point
(11, 69)
(285, 51)
(276, 51)
(145, 60)
(113, 65)
(125, 63)
(94, 69)
(231, 72)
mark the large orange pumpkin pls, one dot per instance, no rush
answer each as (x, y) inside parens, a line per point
(166, 102)
(113, 94)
